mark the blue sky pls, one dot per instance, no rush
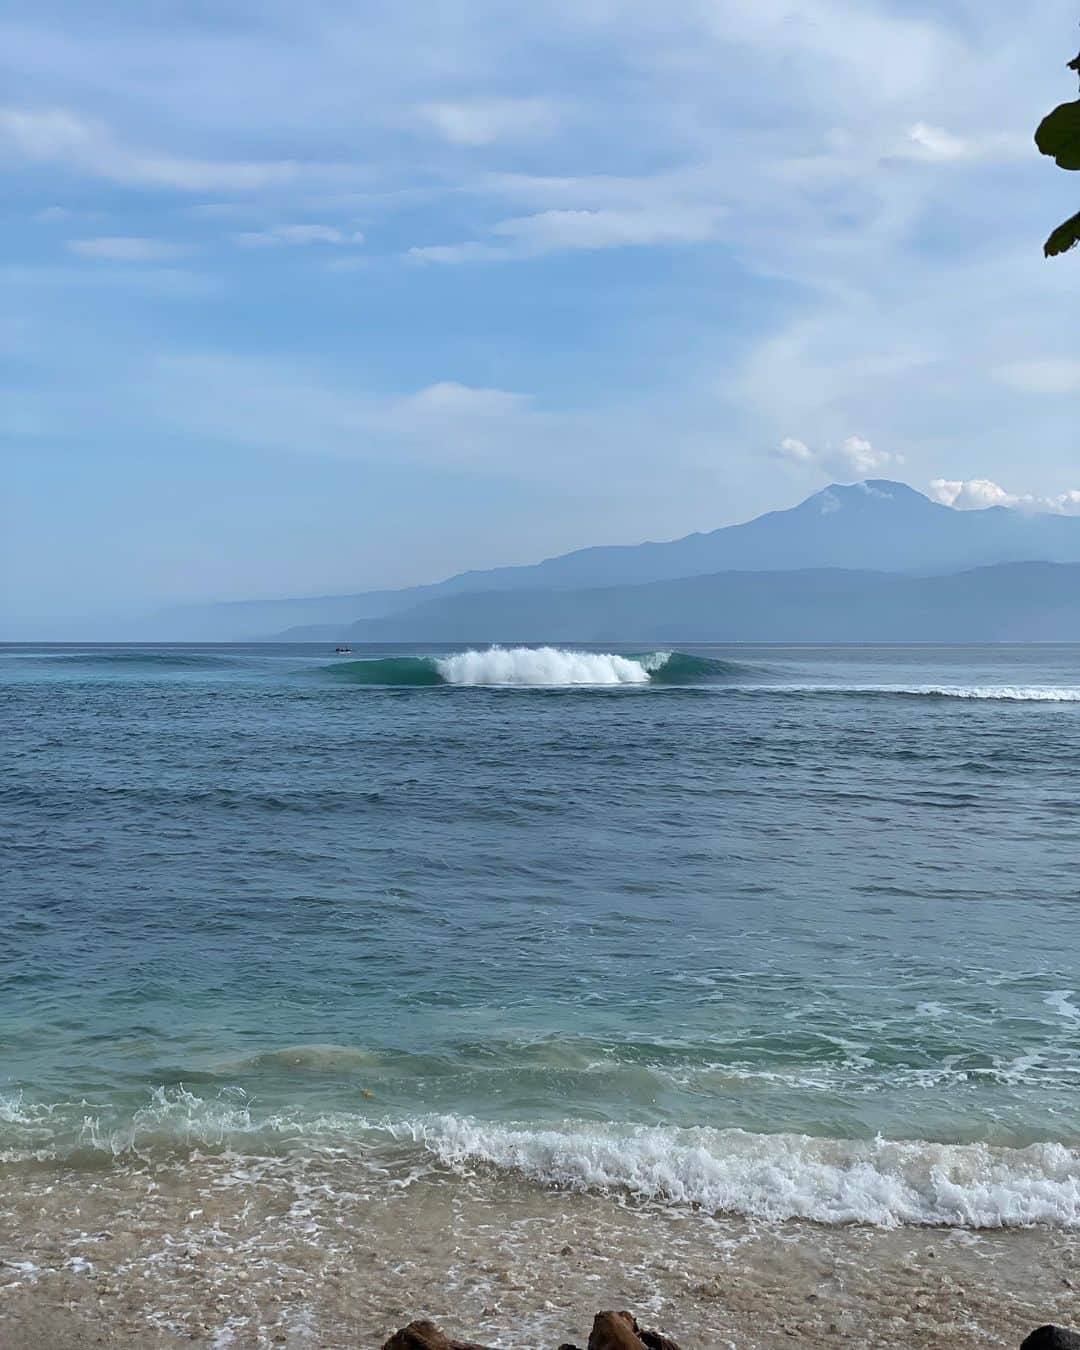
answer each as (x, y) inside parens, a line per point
(322, 297)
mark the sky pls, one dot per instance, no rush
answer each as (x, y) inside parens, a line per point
(302, 299)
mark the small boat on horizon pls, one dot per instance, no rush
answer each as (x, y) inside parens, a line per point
(343, 651)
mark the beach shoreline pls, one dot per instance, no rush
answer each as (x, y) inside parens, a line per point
(225, 1252)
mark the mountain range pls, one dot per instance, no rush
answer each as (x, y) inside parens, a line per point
(872, 561)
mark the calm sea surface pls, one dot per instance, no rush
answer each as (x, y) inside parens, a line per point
(792, 932)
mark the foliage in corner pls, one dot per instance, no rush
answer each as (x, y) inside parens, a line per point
(1058, 136)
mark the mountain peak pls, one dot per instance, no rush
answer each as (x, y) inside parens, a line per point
(876, 488)
(876, 495)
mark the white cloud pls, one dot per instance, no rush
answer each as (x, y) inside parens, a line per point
(287, 408)
(457, 400)
(972, 494)
(853, 458)
(125, 248)
(301, 408)
(453, 253)
(976, 494)
(298, 235)
(558, 231)
(1051, 375)
(938, 145)
(478, 122)
(551, 230)
(797, 451)
(56, 136)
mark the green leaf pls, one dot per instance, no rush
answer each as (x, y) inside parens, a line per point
(1059, 135)
(1065, 237)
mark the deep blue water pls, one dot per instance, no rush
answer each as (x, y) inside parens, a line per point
(265, 891)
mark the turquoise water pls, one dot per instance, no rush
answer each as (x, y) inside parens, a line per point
(793, 931)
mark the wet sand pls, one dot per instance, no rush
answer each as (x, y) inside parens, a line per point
(332, 1252)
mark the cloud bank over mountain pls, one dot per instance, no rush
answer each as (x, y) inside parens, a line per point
(978, 493)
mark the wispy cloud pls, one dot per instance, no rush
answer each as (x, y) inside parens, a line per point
(935, 144)
(557, 231)
(126, 248)
(56, 136)
(298, 236)
(288, 408)
(480, 122)
(1047, 375)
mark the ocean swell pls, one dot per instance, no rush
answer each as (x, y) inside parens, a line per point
(122, 660)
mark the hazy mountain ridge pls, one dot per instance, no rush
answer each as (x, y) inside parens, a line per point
(1012, 602)
(877, 525)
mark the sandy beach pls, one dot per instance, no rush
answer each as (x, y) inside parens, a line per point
(225, 1252)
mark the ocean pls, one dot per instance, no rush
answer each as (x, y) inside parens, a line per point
(747, 959)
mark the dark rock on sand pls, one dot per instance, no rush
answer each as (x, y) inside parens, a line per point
(1052, 1338)
(653, 1340)
(611, 1331)
(427, 1336)
(614, 1331)
(619, 1331)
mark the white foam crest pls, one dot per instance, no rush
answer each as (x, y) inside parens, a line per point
(1061, 1002)
(174, 1114)
(175, 1117)
(779, 1176)
(1011, 693)
(538, 666)
(12, 1111)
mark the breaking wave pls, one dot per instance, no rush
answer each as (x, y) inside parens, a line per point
(779, 1176)
(561, 667)
(774, 1177)
(538, 667)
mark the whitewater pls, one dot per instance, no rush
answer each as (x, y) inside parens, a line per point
(551, 666)
(757, 1175)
